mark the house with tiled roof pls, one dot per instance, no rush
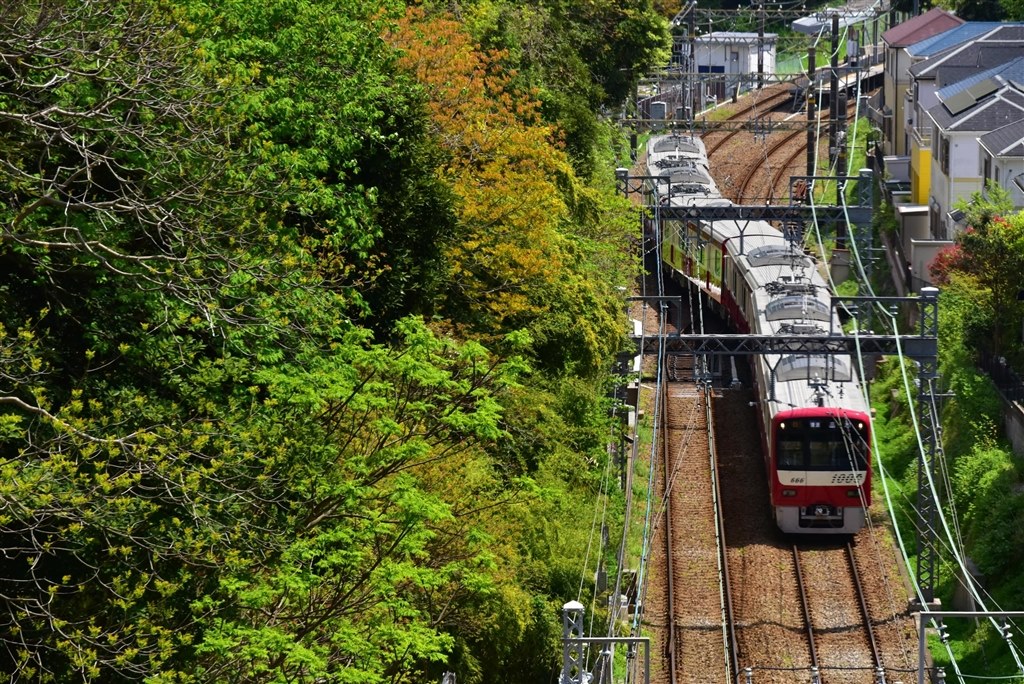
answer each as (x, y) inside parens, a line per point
(948, 59)
(1002, 159)
(970, 110)
(897, 65)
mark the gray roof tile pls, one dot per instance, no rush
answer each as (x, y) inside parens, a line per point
(952, 38)
(1007, 141)
(973, 56)
(999, 109)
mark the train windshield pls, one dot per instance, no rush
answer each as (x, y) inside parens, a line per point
(821, 444)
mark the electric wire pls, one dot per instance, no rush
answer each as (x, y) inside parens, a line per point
(859, 263)
(820, 243)
(953, 530)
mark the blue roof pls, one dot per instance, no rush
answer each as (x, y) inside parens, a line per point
(951, 38)
(1011, 71)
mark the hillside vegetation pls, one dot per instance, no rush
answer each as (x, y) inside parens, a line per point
(978, 477)
(306, 311)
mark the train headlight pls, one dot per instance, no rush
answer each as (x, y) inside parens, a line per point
(788, 492)
(782, 426)
(853, 493)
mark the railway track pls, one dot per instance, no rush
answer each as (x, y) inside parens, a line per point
(840, 637)
(721, 607)
(717, 621)
(779, 144)
(771, 98)
(698, 643)
(795, 607)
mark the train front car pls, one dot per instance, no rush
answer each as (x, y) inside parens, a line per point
(816, 420)
(820, 469)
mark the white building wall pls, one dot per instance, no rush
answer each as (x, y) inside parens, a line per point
(896, 81)
(768, 61)
(926, 99)
(1009, 168)
(962, 181)
(965, 159)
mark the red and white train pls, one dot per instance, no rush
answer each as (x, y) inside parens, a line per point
(816, 424)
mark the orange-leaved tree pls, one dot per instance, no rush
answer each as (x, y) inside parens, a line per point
(506, 168)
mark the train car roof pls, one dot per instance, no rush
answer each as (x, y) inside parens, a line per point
(678, 143)
(790, 296)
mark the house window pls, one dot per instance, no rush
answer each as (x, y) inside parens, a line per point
(995, 177)
(944, 155)
(986, 168)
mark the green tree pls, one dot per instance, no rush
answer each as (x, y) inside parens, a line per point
(577, 57)
(191, 425)
(991, 251)
(339, 134)
(211, 471)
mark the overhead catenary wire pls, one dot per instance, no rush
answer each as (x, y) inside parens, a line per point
(951, 528)
(820, 245)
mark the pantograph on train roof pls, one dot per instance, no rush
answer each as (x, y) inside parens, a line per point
(789, 285)
(684, 171)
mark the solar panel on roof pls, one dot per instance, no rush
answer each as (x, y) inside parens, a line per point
(959, 102)
(984, 88)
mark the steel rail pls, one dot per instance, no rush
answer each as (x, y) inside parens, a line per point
(670, 642)
(805, 604)
(730, 643)
(876, 655)
(775, 176)
(769, 106)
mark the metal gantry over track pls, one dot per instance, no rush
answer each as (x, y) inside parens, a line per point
(922, 348)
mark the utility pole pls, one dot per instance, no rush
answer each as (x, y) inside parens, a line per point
(760, 48)
(874, 41)
(927, 412)
(573, 657)
(691, 65)
(833, 89)
(574, 645)
(833, 124)
(812, 114)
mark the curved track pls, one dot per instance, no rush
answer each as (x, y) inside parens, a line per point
(780, 146)
(758, 108)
